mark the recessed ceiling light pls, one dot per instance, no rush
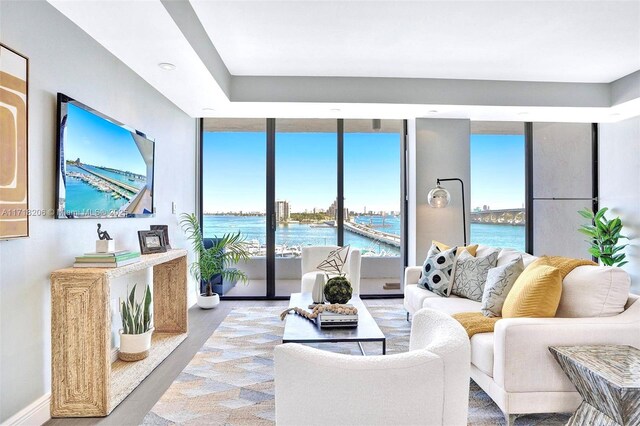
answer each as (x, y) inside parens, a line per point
(167, 66)
(523, 113)
(208, 109)
(335, 109)
(433, 111)
(614, 114)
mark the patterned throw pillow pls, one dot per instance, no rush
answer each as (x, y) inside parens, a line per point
(471, 274)
(499, 283)
(437, 270)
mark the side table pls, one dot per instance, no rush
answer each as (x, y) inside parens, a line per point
(608, 379)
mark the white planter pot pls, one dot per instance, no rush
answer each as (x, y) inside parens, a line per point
(134, 347)
(208, 302)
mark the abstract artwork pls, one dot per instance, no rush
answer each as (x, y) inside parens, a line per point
(14, 199)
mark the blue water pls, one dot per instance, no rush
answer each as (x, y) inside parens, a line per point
(81, 197)
(294, 234)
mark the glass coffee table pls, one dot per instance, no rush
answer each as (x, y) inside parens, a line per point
(298, 329)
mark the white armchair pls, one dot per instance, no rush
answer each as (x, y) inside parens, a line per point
(427, 385)
(313, 256)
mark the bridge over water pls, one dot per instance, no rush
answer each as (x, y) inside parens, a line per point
(500, 217)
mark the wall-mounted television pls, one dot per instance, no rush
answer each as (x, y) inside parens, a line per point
(104, 168)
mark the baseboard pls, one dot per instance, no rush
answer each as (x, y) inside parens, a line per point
(36, 413)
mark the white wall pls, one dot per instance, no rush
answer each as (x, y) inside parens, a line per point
(439, 148)
(65, 59)
(619, 171)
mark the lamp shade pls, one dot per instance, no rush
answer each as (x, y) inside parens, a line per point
(438, 197)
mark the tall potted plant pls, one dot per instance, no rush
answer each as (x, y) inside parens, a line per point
(215, 261)
(603, 236)
(135, 335)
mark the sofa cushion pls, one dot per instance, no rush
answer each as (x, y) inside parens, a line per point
(508, 255)
(500, 280)
(414, 296)
(437, 270)
(451, 305)
(482, 352)
(470, 274)
(594, 291)
(536, 293)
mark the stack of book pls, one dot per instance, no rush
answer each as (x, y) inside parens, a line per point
(107, 260)
(328, 319)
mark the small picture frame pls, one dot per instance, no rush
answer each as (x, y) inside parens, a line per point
(165, 229)
(152, 242)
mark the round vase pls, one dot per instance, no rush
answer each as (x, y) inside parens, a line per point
(208, 302)
(134, 347)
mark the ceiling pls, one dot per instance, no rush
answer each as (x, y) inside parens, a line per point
(484, 60)
(569, 41)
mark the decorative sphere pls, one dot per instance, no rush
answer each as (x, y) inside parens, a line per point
(338, 290)
(439, 197)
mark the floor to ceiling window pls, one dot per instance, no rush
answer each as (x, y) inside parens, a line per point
(233, 190)
(498, 189)
(310, 162)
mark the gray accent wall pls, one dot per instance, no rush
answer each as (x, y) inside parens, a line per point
(562, 185)
(63, 58)
(619, 164)
(438, 148)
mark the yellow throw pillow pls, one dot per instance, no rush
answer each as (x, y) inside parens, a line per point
(535, 294)
(443, 247)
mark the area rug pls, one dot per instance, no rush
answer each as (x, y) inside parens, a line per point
(230, 380)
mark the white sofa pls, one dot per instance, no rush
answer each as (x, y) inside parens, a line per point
(313, 256)
(427, 385)
(513, 364)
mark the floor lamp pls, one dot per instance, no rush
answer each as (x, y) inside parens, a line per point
(439, 198)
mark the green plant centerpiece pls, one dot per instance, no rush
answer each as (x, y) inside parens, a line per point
(603, 236)
(338, 288)
(135, 335)
(215, 261)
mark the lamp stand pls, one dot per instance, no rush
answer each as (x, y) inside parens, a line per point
(464, 213)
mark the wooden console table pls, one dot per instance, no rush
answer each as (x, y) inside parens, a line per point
(84, 382)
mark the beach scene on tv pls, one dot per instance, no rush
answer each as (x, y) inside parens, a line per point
(106, 170)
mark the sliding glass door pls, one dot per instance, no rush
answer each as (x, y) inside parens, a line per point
(233, 192)
(305, 194)
(286, 184)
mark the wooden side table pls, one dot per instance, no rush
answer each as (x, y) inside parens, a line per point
(84, 382)
(608, 379)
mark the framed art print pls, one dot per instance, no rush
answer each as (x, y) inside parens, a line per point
(14, 185)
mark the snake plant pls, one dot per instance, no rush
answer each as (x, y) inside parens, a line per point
(136, 316)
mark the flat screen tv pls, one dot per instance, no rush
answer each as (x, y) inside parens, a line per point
(104, 168)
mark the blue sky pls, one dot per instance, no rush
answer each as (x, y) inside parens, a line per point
(497, 171)
(99, 142)
(234, 171)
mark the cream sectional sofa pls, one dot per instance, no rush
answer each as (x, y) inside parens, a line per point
(513, 364)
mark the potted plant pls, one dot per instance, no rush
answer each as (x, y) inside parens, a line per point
(603, 236)
(214, 262)
(135, 335)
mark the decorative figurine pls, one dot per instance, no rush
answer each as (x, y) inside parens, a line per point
(103, 235)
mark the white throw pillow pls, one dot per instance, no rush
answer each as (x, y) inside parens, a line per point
(437, 270)
(471, 274)
(500, 280)
(594, 291)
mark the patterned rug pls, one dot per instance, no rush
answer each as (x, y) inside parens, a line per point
(230, 380)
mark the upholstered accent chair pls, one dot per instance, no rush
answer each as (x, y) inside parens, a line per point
(313, 256)
(427, 385)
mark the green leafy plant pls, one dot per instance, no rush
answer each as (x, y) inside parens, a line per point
(216, 260)
(136, 316)
(603, 236)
